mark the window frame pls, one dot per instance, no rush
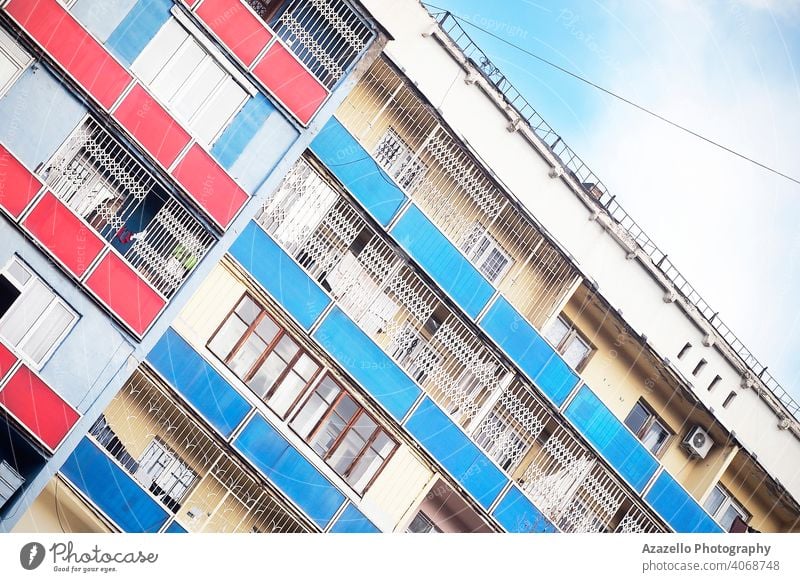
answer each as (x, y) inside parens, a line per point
(269, 349)
(652, 420)
(212, 54)
(728, 501)
(340, 437)
(572, 334)
(21, 60)
(405, 161)
(56, 300)
(471, 247)
(424, 516)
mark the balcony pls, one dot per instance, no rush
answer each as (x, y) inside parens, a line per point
(187, 473)
(327, 36)
(407, 141)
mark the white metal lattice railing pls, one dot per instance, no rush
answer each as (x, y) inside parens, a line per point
(101, 182)
(326, 35)
(206, 489)
(406, 139)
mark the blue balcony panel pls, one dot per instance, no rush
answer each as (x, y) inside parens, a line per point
(518, 514)
(111, 489)
(529, 350)
(609, 436)
(282, 464)
(367, 363)
(175, 527)
(138, 27)
(279, 275)
(353, 521)
(198, 382)
(678, 508)
(443, 261)
(456, 452)
(358, 171)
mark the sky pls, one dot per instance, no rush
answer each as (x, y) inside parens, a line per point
(729, 70)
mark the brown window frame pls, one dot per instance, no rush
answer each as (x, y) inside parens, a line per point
(653, 418)
(340, 437)
(282, 331)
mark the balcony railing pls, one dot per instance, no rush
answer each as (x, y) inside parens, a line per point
(159, 444)
(594, 187)
(406, 139)
(395, 307)
(109, 190)
(326, 35)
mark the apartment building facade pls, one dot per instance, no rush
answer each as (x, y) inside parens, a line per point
(315, 266)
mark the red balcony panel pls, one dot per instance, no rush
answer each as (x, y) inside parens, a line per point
(57, 228)
(125, 293)
(7, 360)
(74, 49)
(34, 404)
(212, 187)
(236, 26)
(190, 3)
(150, 123)
(17, 185)
(283, 74)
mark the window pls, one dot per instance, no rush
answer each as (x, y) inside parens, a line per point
(399, 160)
(183, 74)
(422, 524)
(343, 434)
(486, 253)
(723, 508)
(165, 474)
(648, 428)
(33, 319)
(13, 60)
(264, 356)
(569, 343)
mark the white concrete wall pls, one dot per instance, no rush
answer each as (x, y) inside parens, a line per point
(624, 282)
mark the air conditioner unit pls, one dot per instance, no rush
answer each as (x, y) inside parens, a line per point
(697, 442)
(10, 481)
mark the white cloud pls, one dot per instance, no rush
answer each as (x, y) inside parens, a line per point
(730, 226)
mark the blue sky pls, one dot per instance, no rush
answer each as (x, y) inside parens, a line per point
(727, 69)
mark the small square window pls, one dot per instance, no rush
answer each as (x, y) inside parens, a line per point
(572, 346)
(648, 428)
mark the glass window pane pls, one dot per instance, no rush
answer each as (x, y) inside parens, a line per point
(422, 524)
(25, 311)
(266, 374)
(346, 452)
(286, 348)
(637, 417)
(383, 444)
(54, 323)
(654, 438)
(267, 329)
(714, 500)
(328, 389)
(364, 470)
(248, 310)
(225, 339)
(8, 69)
(19, 273)
(286, 393)
(308, 416)
(243, 360)
(365, 426)
(327, 433)
(727, 517)
(556, 332)
(305, 367)
(575, 351)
